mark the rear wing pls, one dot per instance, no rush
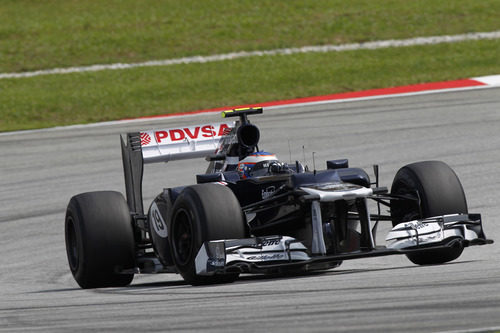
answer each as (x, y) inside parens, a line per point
(183, 142)
(165, 145)
(180, 143)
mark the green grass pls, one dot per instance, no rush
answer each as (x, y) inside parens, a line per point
(38, 34)
(55, 33)
(88, 97)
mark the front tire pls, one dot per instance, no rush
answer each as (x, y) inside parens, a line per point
(201, 213)
(99, 239)
(440, 193)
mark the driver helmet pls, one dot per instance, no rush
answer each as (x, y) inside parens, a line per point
(256, 164)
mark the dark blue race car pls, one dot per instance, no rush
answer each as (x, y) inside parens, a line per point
(251, 213)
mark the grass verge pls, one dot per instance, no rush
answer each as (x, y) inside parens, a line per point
(61, 33)
(47, 101)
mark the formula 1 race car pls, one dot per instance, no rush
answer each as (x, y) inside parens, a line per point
(251, 213)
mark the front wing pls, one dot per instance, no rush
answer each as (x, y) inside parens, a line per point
(280, 253)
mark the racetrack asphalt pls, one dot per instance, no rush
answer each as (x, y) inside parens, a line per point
(40, 171)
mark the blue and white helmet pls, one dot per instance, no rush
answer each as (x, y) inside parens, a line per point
(256, 164)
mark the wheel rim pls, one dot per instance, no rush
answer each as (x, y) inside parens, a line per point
(72, 245)
(182, 237)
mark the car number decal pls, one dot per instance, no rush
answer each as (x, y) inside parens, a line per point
(156, 219)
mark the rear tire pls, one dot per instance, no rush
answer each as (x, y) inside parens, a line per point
(99, 239)
(440, 193)
(201, 213)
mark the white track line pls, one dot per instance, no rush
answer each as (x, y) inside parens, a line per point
(475, 330)
(244, 54)
(492, 80)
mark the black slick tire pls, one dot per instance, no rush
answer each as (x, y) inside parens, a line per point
(201, 213)
(99, 239)
(440, 193)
